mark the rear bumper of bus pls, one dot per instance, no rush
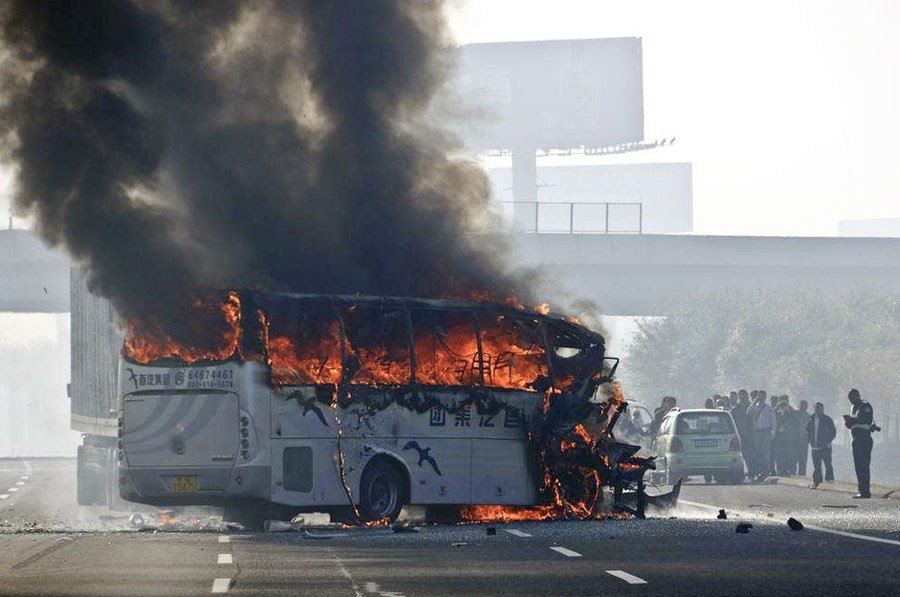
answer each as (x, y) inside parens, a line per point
(191, 486)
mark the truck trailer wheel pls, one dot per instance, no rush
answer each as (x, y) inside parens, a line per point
(380, 492)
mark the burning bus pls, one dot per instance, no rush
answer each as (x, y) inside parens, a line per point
(281, 403)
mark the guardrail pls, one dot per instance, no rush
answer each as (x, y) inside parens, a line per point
(551, 217)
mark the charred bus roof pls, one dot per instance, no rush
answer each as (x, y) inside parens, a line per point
(434, 304)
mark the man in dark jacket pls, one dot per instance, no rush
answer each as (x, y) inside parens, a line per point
(820, 432)
(861, 424)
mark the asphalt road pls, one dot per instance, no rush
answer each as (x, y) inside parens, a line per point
(50, 546)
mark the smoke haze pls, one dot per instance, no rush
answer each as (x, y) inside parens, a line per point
(171, 146)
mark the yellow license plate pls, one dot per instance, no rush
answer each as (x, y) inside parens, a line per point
(184, 484)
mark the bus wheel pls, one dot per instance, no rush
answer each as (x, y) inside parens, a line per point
(380, 492)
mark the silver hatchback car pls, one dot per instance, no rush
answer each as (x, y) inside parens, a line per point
(699, 442)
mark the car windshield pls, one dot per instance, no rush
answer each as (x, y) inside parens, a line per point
(704, 423)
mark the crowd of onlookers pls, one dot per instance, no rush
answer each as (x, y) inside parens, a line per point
(773, 432)
(776, 437)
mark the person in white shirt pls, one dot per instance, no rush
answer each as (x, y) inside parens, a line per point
(762, 421)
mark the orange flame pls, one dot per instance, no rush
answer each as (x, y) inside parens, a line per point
(146, 341)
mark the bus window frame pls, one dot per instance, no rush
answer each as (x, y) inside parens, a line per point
(472, 313)
(384, 306)
(521, 316)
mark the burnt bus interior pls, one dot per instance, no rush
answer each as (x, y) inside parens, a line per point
(400, 342)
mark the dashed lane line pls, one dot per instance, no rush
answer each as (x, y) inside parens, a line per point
(226, 558)
(566, 552)
(224, 539)
(517, 533)
(373, 589)
(808, 526)
(221, 585)
(20, 483)
(629, 578)
(4, 496)
(13, 489)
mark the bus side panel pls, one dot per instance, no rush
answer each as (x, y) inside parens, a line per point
(307, 473)
(440, 469)
(501, 473)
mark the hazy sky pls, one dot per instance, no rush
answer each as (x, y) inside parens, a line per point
(788, 109)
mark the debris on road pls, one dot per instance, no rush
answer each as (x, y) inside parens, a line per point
(136, 521)
(278, 526)
(318, 536)
(840, 506)
(794, 524)
(722, 515)
(404, 528)
(491, 530)
(743, 528)
(459, 544)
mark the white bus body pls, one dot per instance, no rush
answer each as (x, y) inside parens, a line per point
(222, 433)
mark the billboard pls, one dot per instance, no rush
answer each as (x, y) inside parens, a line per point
(653, 198)
(552, 94)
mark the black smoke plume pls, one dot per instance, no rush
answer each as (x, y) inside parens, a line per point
(172, 146)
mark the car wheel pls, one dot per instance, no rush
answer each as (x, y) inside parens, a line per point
(380, 492)
(708, 479)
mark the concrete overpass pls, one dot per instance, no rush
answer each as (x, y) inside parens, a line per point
(634, 274)
(642, 274)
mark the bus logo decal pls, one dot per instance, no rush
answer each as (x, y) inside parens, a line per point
(308, 404)
(437, 417)
(424, 455)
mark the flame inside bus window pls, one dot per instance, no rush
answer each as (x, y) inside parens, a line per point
(513, 354)
(304, 343)
(377, 345)
(208, 329)
(446, 348)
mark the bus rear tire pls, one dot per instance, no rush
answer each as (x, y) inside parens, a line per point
(380, 492)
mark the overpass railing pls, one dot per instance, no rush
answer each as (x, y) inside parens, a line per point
(552, 217)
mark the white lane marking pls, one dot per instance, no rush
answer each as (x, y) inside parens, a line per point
(566, 552)
(629, 578)
(226, 558)
(346, 574)
(4, 496)
(374, 589)
(221, 585)
(808, 526)
(20, 483)
(224, 539)
(517, 533)
(13, 489)
(24, 477)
